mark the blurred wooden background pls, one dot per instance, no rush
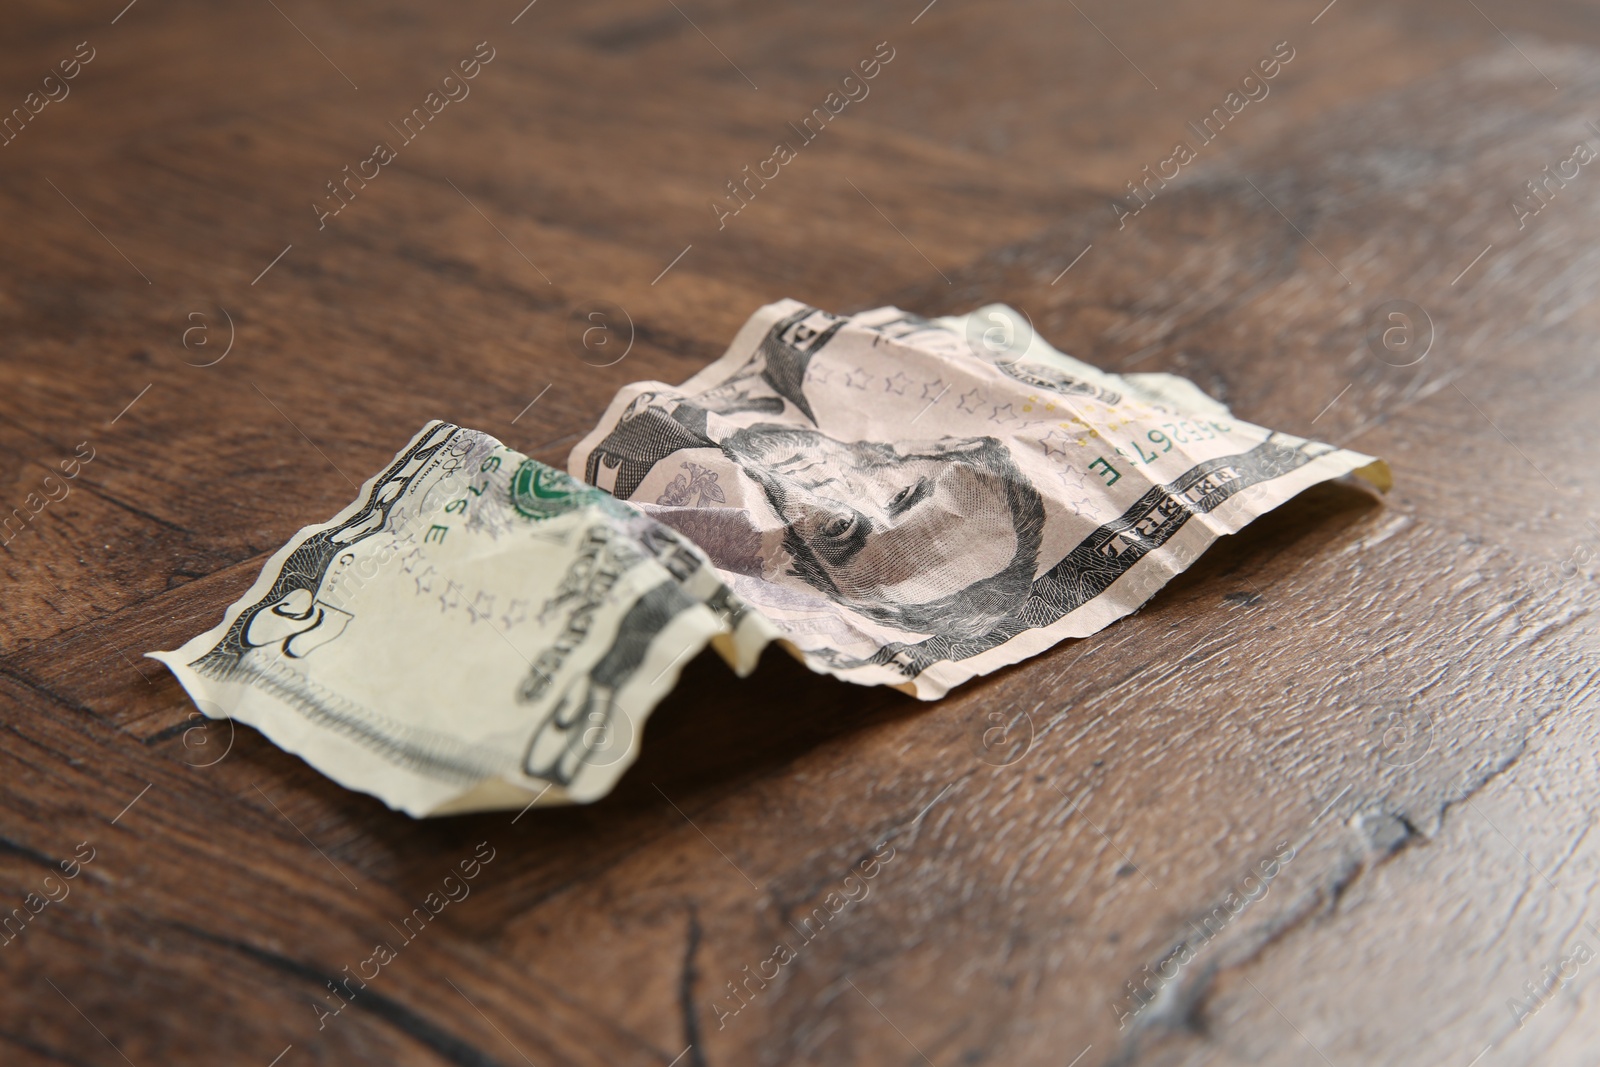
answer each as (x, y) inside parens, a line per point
(1396, 695)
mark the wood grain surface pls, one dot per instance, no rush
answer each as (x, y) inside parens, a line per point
(1324, 800)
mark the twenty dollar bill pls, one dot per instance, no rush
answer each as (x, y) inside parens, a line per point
(914, 502)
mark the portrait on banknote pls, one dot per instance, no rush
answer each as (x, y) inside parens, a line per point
(913, 503)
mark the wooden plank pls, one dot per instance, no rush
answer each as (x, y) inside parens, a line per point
(1249, 704)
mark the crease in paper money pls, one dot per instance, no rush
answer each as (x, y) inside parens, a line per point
(911, 507)
(896, 500)
(475, 631)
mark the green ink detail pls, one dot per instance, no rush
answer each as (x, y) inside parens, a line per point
(541, 492)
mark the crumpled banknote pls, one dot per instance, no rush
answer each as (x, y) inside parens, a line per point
(475, 631)
(897, 500)
(914, 502)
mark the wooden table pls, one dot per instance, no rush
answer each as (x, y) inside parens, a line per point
(1326, 799)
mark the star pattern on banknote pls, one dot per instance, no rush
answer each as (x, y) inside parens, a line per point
(896, 385)
(516, 611)
(858, 378)
(450, 599)
(970, 401)
(818, 374)
(1076, 493)
(1083, 506)
(1073, 479)
(1054, 443)
(425, 580)
(935, 389)
(1006, 412)
(482, 605)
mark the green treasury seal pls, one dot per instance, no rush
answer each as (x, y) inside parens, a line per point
(541, 492)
